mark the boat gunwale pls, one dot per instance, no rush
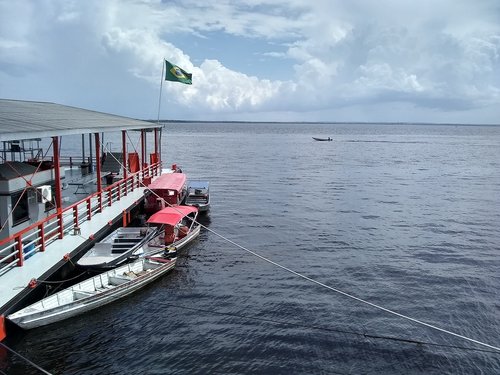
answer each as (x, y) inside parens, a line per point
(117, 290)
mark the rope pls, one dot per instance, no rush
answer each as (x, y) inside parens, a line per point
(25, 359)
(132, 143)
(352, 296)
(389, 311)
(328, 329)
(61, 281)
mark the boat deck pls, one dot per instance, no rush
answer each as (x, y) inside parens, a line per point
(17, 279)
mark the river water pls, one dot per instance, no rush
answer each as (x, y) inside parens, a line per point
(403, 216)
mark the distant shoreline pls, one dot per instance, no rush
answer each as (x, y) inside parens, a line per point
(320, 122)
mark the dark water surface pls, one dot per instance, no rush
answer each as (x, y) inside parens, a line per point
(404, 216)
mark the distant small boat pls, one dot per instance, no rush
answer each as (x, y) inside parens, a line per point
(322, 139)
(93, 292)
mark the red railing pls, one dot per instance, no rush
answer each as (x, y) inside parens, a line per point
(17, 248)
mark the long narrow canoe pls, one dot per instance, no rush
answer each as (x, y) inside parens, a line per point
(93, 292)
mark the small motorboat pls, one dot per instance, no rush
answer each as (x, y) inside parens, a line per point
(198, 195)
(167, 190)
(93, 292)
(173, 227)
(118, 247)
(322, 139)
(178, 227)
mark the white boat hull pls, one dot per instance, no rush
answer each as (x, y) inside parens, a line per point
(117, 248)
(91, 293)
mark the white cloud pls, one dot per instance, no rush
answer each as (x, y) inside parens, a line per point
(442, 54)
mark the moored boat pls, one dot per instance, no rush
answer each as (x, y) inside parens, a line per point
(167, 190)
(93, 292)
(178, 226)
(198, 195)
(117, 247)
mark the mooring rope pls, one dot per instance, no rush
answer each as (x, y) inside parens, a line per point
(62, 281)
(352, 296)
(327, 329)
(25, 359)
(336, 290)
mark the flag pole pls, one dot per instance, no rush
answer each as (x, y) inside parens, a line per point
(161, 87)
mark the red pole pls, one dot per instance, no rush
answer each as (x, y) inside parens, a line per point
(156, 140)
(75, 216)
(57, 175)
(124, 151)
(143, 150)
(89, 208)
(41, 235)
(20, 260)
(98, 169)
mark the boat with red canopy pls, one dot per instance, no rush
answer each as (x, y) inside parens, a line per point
(179, 227)
(167, 190)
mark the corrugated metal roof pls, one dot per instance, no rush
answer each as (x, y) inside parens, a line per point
(21, 119)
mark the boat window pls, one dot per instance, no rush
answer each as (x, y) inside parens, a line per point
(21, 212)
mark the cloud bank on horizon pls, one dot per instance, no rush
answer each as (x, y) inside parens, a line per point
(258, 60)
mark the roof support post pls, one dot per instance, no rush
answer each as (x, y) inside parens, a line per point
(124, 151)
(156, 140)
(157, 157)
(143, 150)
(98, 169)
(160, 151)
(91, 164)
(83, 148)
(57, 175)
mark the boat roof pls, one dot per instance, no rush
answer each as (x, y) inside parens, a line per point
(170, 181)
(15, 169)
(198, 184)
(171, 215)
(21, 119)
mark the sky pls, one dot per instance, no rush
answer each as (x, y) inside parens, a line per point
(434, 61)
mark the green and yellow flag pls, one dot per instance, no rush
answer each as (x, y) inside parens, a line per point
(176, 74)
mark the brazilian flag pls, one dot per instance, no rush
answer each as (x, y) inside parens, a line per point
(176, 74)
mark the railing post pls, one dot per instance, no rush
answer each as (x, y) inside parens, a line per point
(99, 199)
(119, 191)
(89, 208)
(75, 215)
(124, 218)
(41, 235)
(20, 255)
(110, 196)
(125, 190)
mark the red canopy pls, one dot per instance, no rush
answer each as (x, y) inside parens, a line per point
(171, 215)
(170, 181)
